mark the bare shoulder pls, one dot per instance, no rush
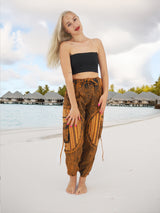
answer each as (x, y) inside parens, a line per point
(98, 43)
(64, 57)
(64, 46)
(64, 50)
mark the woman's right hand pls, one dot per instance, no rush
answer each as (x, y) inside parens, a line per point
(73, 116)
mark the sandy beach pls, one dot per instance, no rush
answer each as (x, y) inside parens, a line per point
(127, 181)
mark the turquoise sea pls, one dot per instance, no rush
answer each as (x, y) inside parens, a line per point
(13, 116)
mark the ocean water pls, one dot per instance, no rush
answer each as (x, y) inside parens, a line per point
(13, 116)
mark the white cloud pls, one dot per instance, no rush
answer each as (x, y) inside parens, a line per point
(37, 39)
(130, 68)
(43, 24)
(16, 45)
(12, 46)
(117, 40)
(8, 74)
(37, 75)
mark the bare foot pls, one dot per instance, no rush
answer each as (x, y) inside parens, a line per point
(72, 184)
(82, 188)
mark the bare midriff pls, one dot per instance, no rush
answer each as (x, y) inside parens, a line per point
(87, 74)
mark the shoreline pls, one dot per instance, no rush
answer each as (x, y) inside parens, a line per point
(57, 132)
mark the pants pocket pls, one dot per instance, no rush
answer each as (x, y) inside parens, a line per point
(72, 136)
(66, 136)
(95, 126)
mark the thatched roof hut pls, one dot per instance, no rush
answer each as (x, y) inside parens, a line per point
(147, 96)
(111, 94)
(28, 96)
(121, 97)
(37, 95)
(7, 95)
(130, 94)
(17, 95)
(53, 96)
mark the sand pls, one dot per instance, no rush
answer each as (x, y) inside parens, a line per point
(127, 181)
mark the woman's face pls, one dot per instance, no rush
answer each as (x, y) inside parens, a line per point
(71, 22)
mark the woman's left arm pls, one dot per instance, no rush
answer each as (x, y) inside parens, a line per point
(104, 74)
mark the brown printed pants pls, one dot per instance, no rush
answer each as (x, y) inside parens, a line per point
(81, 141)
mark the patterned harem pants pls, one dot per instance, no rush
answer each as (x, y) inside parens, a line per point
(81, 141)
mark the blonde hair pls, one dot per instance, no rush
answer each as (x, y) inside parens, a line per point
(59, 35)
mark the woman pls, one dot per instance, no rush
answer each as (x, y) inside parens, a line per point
(85, 96)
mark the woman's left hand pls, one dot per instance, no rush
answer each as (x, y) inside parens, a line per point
(102, 102)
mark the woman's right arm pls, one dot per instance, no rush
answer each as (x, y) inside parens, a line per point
(67, 72)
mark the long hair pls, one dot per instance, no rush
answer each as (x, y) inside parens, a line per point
(59, 35)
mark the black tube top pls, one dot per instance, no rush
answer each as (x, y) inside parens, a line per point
(83, 62)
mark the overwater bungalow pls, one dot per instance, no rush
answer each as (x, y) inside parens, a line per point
(6, 98)
(28, 98)
(53, 98)
(133, 99)
(50, 98)
(147, 99)
(121, 99)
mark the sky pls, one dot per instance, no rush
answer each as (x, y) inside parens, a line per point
(128, 29)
